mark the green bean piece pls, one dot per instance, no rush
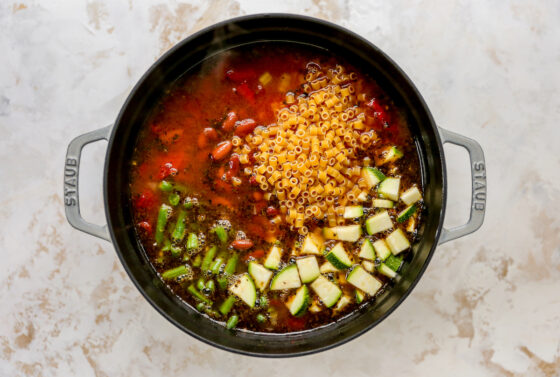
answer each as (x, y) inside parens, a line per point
(197, 261)
(263, 302)
(232, 322)
(179, 231)
(192, 241)
(231, 264)
(205, 266)
(261, 318)
(200, 284)
(176, 251)
(221, 233)
(175, 272)
(174, 199)
(163, 215)
(193, 291)
(210, 285)
(166, 245)
(227, 305)
(165, 186)
(190, 202)
(215, 268)
(222, 282)
(200, 306)
(212, 312)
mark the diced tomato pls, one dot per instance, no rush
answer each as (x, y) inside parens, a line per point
(242, 244)
(245, 127)
(378, 110)
(253, 181)
(229, 122)
(246, 92)
(166, 170)
(259, 253)
(146, 200)
(295, 323)
(145, 226)
(241, 75)
(271, 211)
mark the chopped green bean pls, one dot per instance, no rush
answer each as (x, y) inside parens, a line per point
(175, 272)
(166, 245)
(193, 291)
(200, 306)
(197, 261)
(216, 265)
(210, 285)
(393, 262)
(221, 233)
(200, 284)
(190, 202)
(227, 305)
(192, 241)
(231, 264)
(205, 266)
(179, 231)
(174, 199)
(165, 186)
(222, 282)
(176, 251)
(163, 215)
(232, 322)
(261, 318)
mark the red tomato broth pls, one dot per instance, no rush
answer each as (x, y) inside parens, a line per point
(178, 134)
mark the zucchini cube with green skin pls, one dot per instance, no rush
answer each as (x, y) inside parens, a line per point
(379, 223)
(339, 257)
(298, 303)
(260, 274)
(327, 267)
(244, 288)
(389, 188)
(381, 249)
(411, 196)
(286, 278)
(372, 176)
(391, 154)
(350, 233)
(328, 292)
(406, 213)
(366, 251)
(397, 241)
(360, 296)
(308, 269)
(382, 203)
(368, 266)
(352, 212)
(274, 258)
(393, 262)
(385, 270)
(342, 303)
(363, 280)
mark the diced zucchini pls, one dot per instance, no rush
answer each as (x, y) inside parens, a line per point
(308, 269)
(362, 197)
(352, 212)
(393, 262)
(411, 226)
(260, 275)
(379, 223)
(382, 203)
(265, 78)
(310, 247)
(397, 241)
(315, 307)
(385, 270)
(381, 249)
(411, 196)
(274, 257)
(328, 292)
(406, 213)
(299, 302)
(339, 257)
(287, 278)
(350, 233)
(372, 176)
(389, 188)
(368, 266)
(366, 251)
(327, 267)
(244, 288)
(364, 281)
(391, 154)
(342, 303)
(360, 296)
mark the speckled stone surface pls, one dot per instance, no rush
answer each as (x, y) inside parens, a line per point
(488, 304)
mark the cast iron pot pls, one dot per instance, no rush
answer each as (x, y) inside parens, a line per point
(241, 31)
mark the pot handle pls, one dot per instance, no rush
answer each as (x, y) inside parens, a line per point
(478, 178)
(71, 174)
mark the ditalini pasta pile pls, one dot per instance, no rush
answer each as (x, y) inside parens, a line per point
(310, 159)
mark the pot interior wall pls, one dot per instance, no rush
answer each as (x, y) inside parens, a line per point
(191, 52)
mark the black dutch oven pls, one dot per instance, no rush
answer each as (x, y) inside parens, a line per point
(215, 39)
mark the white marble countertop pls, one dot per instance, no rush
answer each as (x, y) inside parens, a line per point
(488, 304)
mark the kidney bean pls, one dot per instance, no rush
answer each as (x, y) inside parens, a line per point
(242, 244)
(210, 133)
(245, 127)
(229, 122)
(222, 150)
(146, 226)
(233, 166)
